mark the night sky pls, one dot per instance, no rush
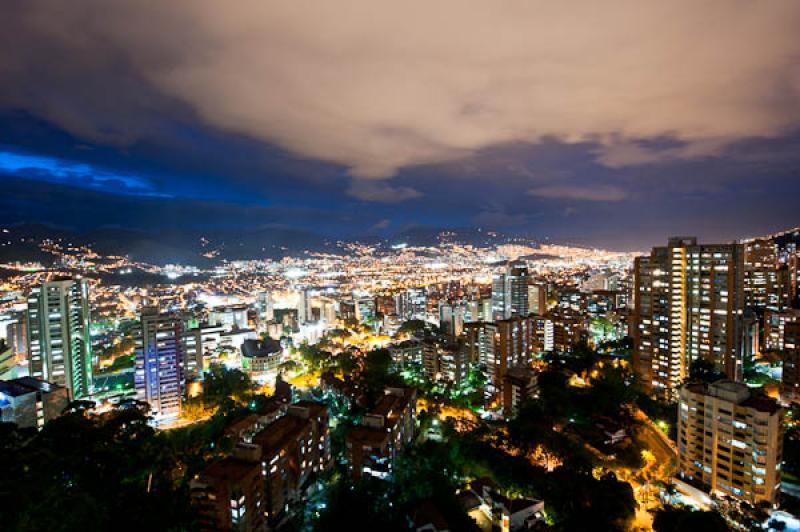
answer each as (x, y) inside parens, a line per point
(567, 120)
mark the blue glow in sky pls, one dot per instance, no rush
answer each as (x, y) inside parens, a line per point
(73, 173)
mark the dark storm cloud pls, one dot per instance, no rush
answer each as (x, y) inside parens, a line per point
(377, 87)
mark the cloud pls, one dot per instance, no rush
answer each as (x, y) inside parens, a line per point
(580, 192)
(621, 154)
(378, 87)
(381, 192)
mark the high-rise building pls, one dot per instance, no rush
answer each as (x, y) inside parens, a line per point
(304, 310)
(602, 280)
(790, 382)
(730, 441)
(517, 280)
(327, 310)
(510, 291)
(485, 310)
(445, 360)
(8, 362)
(17, 336)
(59, 345)
(766, 282)
(365, 309)
(537, 299)
(775, 327)
(688, 305)
(563, 328)
(771, 271)
(501, 307)
(159, 374)
(412, 304)
(230, 317)
(451, 318)
(201, 344)
(500, 345)
(407, 354)
(265, 310)
(193, 351)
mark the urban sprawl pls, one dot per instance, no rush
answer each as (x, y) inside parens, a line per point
(522, 386)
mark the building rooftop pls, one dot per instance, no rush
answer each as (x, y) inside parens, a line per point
(762, 403)
(468, 500)
(736, 392)
(372, 436)
(229, 469)
(521, 373)
(25, 385)
(261, 348)
(394, 402)
(270, 406)
(247, 422)
(13, 389)
(279, 434)
(315, 409)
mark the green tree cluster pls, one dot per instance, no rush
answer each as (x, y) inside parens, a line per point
(109, 472)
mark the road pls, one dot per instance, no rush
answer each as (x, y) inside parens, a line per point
(657, 442)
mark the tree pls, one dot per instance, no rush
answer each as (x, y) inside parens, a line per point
(313, 356)
(220, 383)
(412, 326)
(424, 471)
(581, 359)
(672, 519)
(99, 472)
(702, 370)
(346, 362)
(583, 503)
(360, 507)
(376, 374)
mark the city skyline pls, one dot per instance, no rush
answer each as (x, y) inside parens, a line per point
(357, 130)
(516, 266)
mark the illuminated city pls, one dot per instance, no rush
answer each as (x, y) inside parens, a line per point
(435, 267)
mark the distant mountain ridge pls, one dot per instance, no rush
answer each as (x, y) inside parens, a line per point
(202, 248)
(21, 243)
(205, 248)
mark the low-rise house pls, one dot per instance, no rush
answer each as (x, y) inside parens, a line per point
(487, 506)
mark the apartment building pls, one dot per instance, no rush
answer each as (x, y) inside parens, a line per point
(730, 441)
(688, 304)
(500, 345)
(372, 447)
(229, 494)
(59, 345)
(790, 383)
(293, 448)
